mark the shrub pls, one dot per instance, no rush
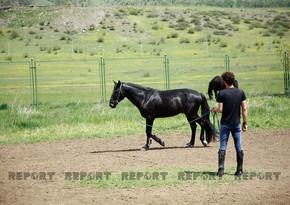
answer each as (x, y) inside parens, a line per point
(220, 33)
(56, 48)
(181, 26)
(184, 40)
(146, 74)
(78, 50)
(38, 37)
(155, 27)
(14, 35)
(32, 32)
(191, 31)
(43, 48)
(223, 44)
(25, 55)
(198, 28)
(266, 33)
(174, 35)
(100, 40)
(4, 106)
(235, 19)
(111, 28)
(92, 27)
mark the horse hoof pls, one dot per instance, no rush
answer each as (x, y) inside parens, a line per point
(188, 145)
(145, 148)
(204, 143)
(162, 143)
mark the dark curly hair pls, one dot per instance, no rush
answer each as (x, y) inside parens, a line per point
(228, 77)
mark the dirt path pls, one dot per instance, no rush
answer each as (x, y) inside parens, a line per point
(266, 151)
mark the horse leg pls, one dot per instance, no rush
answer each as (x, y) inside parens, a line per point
(202, 138)
(149, 126)
(193, 132)
(158, 140)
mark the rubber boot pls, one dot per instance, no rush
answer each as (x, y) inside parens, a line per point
(221, 162)
(240, 158)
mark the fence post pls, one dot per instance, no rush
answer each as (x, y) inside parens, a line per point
(33, 81)
(102, 74)
(166, 69)
(286, 73)
(227, 63)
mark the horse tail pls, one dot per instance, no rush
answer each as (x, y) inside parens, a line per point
(205, 112)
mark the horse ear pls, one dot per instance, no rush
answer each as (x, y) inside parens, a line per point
(119, 82)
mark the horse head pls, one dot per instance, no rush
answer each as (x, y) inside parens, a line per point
(117, 95)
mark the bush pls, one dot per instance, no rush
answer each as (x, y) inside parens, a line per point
(43, 48)
(100, 40)
(14, 35)
(174, 35)
(155, 27)
(56, 48)
(181, 26)
(32, 32)
(92, 27)
(184, 40)
(235, 19)
(25, 55)
(4, 106)
(198, 28)
(191, 31)
(220, 33)
(111, 28)
(223, 44)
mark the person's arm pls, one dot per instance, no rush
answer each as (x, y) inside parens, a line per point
(219, 108)
(244, 115)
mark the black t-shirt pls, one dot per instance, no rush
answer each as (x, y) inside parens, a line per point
(231, 99)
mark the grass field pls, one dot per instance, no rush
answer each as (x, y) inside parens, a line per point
(133, 42)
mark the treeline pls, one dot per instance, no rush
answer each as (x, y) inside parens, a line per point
(214, 3)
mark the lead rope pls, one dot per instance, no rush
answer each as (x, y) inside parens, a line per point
(214, 119)
(164, 128)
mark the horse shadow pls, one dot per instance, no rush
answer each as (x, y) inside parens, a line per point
(151, 149)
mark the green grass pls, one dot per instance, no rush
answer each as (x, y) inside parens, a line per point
(24, 124)
(68, 82)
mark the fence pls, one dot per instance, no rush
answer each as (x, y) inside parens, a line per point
(88, 80)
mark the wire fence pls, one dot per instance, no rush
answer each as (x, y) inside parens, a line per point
(62, 81)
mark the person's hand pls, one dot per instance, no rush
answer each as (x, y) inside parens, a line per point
(214, 109)
(244, 127)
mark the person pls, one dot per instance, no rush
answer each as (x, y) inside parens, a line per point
(231, 101)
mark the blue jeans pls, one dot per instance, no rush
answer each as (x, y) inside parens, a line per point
(225, 131)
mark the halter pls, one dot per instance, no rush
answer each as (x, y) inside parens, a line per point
(120, 93)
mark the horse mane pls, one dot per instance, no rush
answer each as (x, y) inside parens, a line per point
(140, 87)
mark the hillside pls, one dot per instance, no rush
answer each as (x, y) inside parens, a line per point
(91, 32)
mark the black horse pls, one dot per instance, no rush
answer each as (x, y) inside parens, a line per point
(158, 104)
(216, 84)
